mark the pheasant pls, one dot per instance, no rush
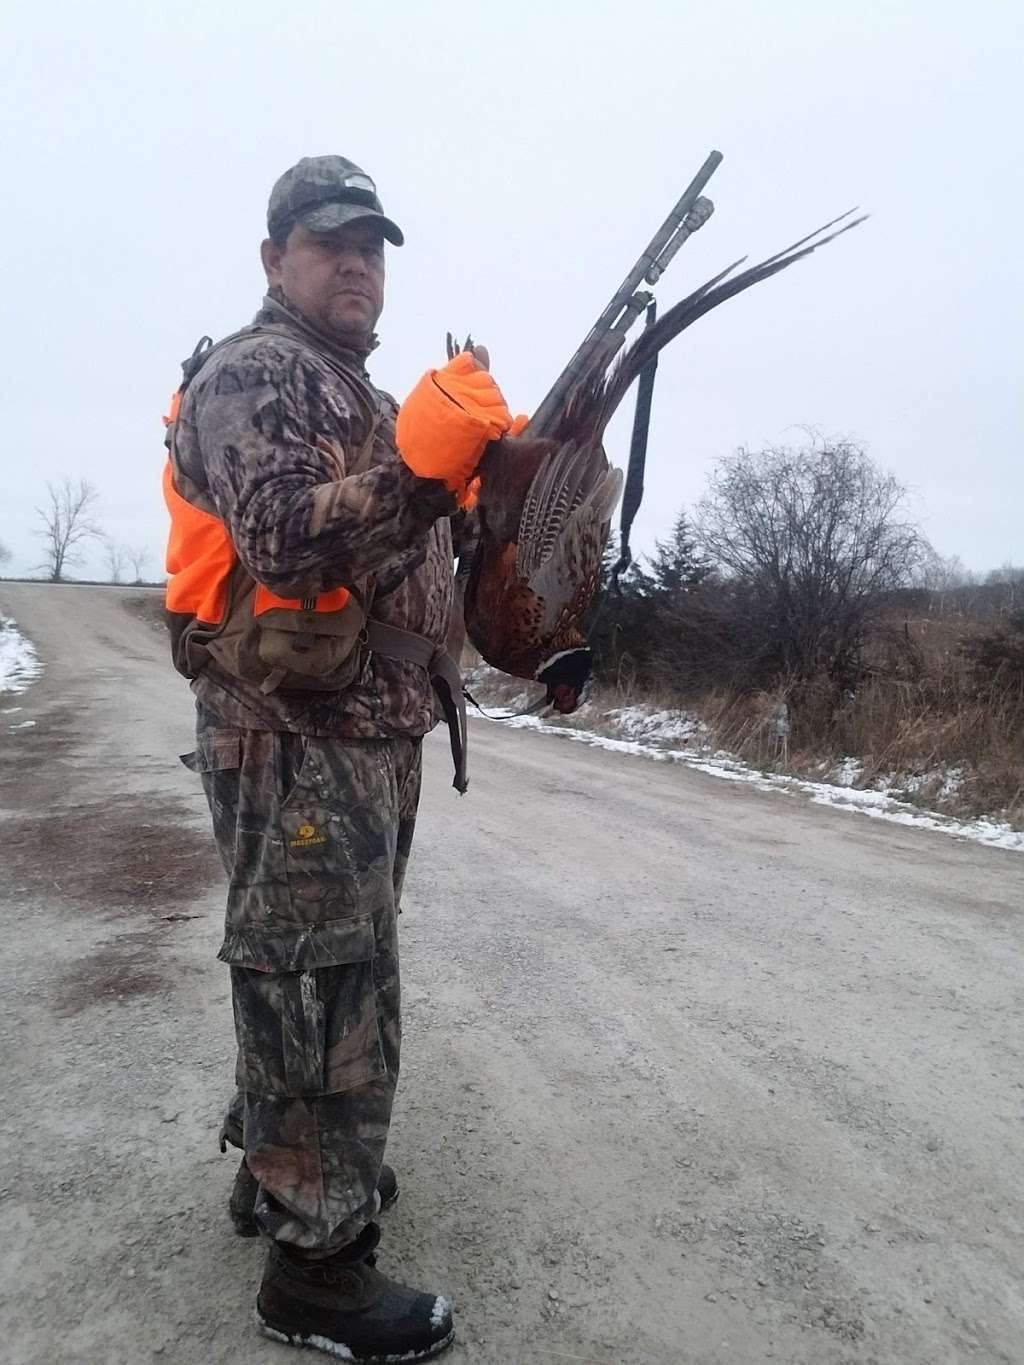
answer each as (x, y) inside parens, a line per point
(546, 500)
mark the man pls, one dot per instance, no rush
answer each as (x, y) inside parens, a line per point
(310, 593)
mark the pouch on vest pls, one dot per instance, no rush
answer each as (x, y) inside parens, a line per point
(314, 644)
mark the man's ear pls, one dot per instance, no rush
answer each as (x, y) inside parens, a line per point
(270, 254)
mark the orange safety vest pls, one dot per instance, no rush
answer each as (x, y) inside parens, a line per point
(200, 558)
(217, 610)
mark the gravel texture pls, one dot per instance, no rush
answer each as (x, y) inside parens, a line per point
(691, 1074)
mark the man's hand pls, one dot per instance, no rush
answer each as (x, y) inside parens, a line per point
(449, 419)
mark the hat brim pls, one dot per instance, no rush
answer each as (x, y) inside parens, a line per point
(328, 217)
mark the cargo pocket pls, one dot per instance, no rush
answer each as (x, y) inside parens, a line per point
(217, 761)
(337, 830)
(218, 749)
(305, 1007)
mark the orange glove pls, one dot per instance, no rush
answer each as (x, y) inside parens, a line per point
(469, 498)
(445, 424)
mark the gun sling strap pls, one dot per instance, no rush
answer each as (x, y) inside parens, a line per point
(396, 643)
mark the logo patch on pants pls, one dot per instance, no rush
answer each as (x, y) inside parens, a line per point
(307, 837)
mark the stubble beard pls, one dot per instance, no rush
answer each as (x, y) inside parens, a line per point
(344, 322)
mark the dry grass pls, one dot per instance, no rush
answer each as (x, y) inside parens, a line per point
(929, 733)
(918, 723)
(953, 753)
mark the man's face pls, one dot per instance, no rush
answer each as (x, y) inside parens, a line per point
(334, 279)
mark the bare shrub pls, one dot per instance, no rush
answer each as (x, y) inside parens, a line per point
(809, 544)
(997, 659)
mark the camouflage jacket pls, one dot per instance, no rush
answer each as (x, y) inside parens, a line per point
(267, 429)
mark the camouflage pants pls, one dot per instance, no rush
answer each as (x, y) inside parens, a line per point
(314, 835)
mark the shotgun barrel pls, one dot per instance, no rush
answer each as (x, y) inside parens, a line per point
(605, 338)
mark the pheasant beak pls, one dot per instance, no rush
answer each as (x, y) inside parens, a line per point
(564, 698)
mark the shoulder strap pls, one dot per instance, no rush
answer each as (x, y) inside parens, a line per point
(205, 347)
(365, 398)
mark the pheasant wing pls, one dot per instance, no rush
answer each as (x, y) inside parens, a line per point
(565, 578)
(566, 479)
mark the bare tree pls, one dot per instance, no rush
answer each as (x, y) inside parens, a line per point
(5, 554)
(138, 557)
(949, 587)
(67, 523)
(941, 574)
(809, 544)
(115, 557)
(1006, 573)
(1009, 578)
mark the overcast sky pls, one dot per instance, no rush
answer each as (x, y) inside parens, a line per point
(529, 151)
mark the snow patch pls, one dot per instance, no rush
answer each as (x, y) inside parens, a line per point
(330, 1348)
(652, 732)
(18, 663)
(952, 783)
(847, 773)
(340, 1351)
(665, 727)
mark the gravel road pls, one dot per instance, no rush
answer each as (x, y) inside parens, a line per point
(692, 1073)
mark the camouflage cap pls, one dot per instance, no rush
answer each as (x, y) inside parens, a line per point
(326, 192)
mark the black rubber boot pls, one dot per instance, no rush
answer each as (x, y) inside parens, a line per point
(242, 1202)
(345, 1307)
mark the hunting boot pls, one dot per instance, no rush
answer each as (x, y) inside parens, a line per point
(343, 1305)
(242, 1203)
